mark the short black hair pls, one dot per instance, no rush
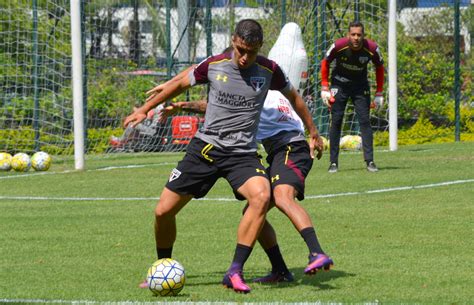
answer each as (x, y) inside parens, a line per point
(250, 31)
(356, 24)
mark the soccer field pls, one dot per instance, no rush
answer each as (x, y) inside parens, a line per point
(402, 235)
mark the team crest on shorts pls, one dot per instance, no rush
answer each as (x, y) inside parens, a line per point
(174, 175)
(334, 91)
(257, 82)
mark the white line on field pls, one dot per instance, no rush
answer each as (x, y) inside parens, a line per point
(131, 166)
(384, 190)
(87, 302)
(24, 175)
(392, 189)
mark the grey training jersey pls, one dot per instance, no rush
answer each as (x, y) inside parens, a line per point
(235, 99)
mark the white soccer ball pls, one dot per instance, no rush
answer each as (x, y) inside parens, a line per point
(355, 143)
(41, 161)
(325, 143)
(21, 162)
(166, 277)
(350, 142)
(5, 161)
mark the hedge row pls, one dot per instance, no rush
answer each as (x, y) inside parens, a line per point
(423, 131)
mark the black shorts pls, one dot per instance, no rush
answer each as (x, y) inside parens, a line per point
(203, 164)
(290, 164)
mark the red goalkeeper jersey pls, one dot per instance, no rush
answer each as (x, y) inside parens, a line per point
(351, 65)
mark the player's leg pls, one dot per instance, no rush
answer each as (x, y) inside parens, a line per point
(257, 192)
(285, 201)
(268, 240)
(169, 205)
(194, 176)
(285, 195)
(247, 176)
(337, 117)
(291, 166)
(361, 100)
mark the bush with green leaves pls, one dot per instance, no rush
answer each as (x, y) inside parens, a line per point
(425, 61)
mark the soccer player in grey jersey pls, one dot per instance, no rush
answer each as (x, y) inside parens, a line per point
(225, 146)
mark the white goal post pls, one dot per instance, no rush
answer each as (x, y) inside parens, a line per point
(392, 75)
(77, 84)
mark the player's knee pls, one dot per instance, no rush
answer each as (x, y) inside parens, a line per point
(260, 200)
(159, 212)
(162, 212)
(283, 193)
(283, 202)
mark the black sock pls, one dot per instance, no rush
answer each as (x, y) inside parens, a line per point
(241, 255)
(276, 259)
(164, 252)
(309, 236)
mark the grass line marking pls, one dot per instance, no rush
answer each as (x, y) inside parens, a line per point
(87, 302)
(108, 168)
(384, 190)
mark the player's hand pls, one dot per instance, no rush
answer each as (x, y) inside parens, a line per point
(135, 118)
(316, 142)
(377, 104)
(319, 145)
(168, 111)
(328, 100)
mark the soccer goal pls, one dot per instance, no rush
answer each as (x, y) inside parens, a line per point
(126, 48)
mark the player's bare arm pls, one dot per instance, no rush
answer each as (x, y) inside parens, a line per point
(172, 89)
(160, 87)
(303, 112)
(192, 107)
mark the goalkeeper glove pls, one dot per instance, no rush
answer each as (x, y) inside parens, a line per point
(328, 100)
(378, 101)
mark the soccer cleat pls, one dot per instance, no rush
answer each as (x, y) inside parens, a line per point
(318, 262)
(275, 277)
(332, 168)
(235, 281)
(371, 167)
(143, 285)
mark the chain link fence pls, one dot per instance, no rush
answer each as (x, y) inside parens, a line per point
(130, 46)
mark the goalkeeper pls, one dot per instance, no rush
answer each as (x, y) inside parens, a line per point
(349, 80)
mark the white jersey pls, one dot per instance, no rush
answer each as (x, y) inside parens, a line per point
(278, 115)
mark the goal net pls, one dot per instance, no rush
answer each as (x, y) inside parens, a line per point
(35, 64)
(131, 46)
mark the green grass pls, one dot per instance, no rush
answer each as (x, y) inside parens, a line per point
(398, 246)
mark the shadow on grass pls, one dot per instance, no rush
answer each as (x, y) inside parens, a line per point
(417, 149)
(319, 280)
(363, 170)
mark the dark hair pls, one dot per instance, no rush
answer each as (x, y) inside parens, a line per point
(250, 31)
(356, 24)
